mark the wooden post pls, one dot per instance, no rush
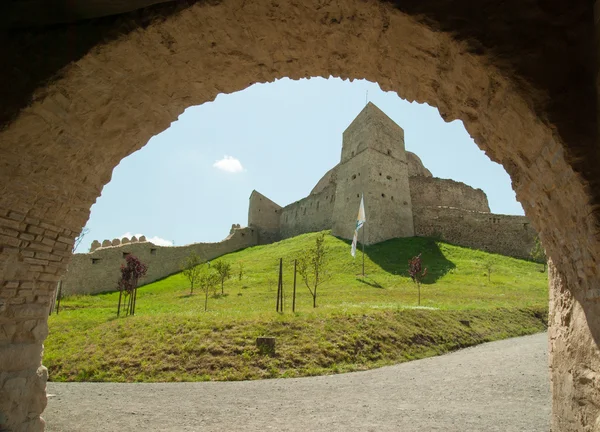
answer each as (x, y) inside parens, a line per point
(294, 295)
(120, 296)
(280, 287)
(266, 345)
(59, 295)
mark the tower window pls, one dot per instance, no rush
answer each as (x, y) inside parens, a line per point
(382, 195)
(125, 254)
(354, 176)
(389, 152)
(152, 251)
(389, 177)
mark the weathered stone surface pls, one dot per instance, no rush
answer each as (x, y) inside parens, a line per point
(98, 271)
(520, 75)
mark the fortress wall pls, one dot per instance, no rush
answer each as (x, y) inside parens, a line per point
(434, 192)
(264, 215)
(502, 234)
(99, 271)
(310, 214)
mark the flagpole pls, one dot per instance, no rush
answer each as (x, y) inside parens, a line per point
(363, 244)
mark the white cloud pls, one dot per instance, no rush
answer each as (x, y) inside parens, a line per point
(156, 240)
(229, 164)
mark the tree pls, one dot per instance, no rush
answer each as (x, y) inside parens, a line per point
(208, 280)
(489, 266)
(240, 270)
(223, 268)
(414, 270)
(191, 269)
(312, 266)
(538, 253)
(131, 272)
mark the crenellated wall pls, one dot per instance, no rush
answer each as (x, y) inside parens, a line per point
(435, 192)
(502, 234)
(99, 271)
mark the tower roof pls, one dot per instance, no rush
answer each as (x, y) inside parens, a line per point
(373, 129)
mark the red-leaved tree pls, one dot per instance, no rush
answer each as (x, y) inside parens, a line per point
(415, 272)
(131, 272)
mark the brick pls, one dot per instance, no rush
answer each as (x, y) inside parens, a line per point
(51, 234)
(40, 247)
(26, 236)
(6, 250)
(10, 224)
(27, 253)
(16, 216)
(36, 268)
(55, 257)
(49, 277)
(16, 300)
(62, 246)
(66, 240)
(8, 293)
(62, 253)
(27, 285)
(42, 255)
(48, 242)
(36, 261)
(34, 229)
(9, 241)
(9, 232)
(11, 284)
(48, 226)
(32, 221)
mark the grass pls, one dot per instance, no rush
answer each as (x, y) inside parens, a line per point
(358, 324)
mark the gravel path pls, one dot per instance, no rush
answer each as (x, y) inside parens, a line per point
(499, 386)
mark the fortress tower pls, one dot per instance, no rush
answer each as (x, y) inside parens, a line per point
(373, 162)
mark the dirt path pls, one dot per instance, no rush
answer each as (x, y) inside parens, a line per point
(499, 386)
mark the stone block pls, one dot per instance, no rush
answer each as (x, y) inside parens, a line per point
(10, 223)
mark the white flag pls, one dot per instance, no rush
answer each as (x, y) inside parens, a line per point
(360, 221)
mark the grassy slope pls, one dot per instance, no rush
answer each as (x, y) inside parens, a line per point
(357, 325)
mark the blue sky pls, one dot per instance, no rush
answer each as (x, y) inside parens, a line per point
(193, 180)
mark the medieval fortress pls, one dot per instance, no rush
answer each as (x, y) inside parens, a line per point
(402, 199)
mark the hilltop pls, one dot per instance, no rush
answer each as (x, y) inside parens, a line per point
(359, 323)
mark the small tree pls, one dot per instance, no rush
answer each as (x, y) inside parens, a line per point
(208, 280)
(416, 274)
(489, 266)
(191, 269)
(223, 268)
(538, 253)
(240, 270)
(131, 272)
(312, 266)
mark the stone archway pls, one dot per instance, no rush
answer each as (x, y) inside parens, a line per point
(131, 76)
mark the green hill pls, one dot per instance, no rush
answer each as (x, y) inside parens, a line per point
(359, 322)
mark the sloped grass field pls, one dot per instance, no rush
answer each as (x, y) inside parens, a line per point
(358, 324)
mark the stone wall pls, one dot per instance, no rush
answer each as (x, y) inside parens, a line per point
(98, 271)
(434, 192)
(264, 216)
(310, 214)
(502, 234)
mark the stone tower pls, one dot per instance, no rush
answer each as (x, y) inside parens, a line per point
(373, 162)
